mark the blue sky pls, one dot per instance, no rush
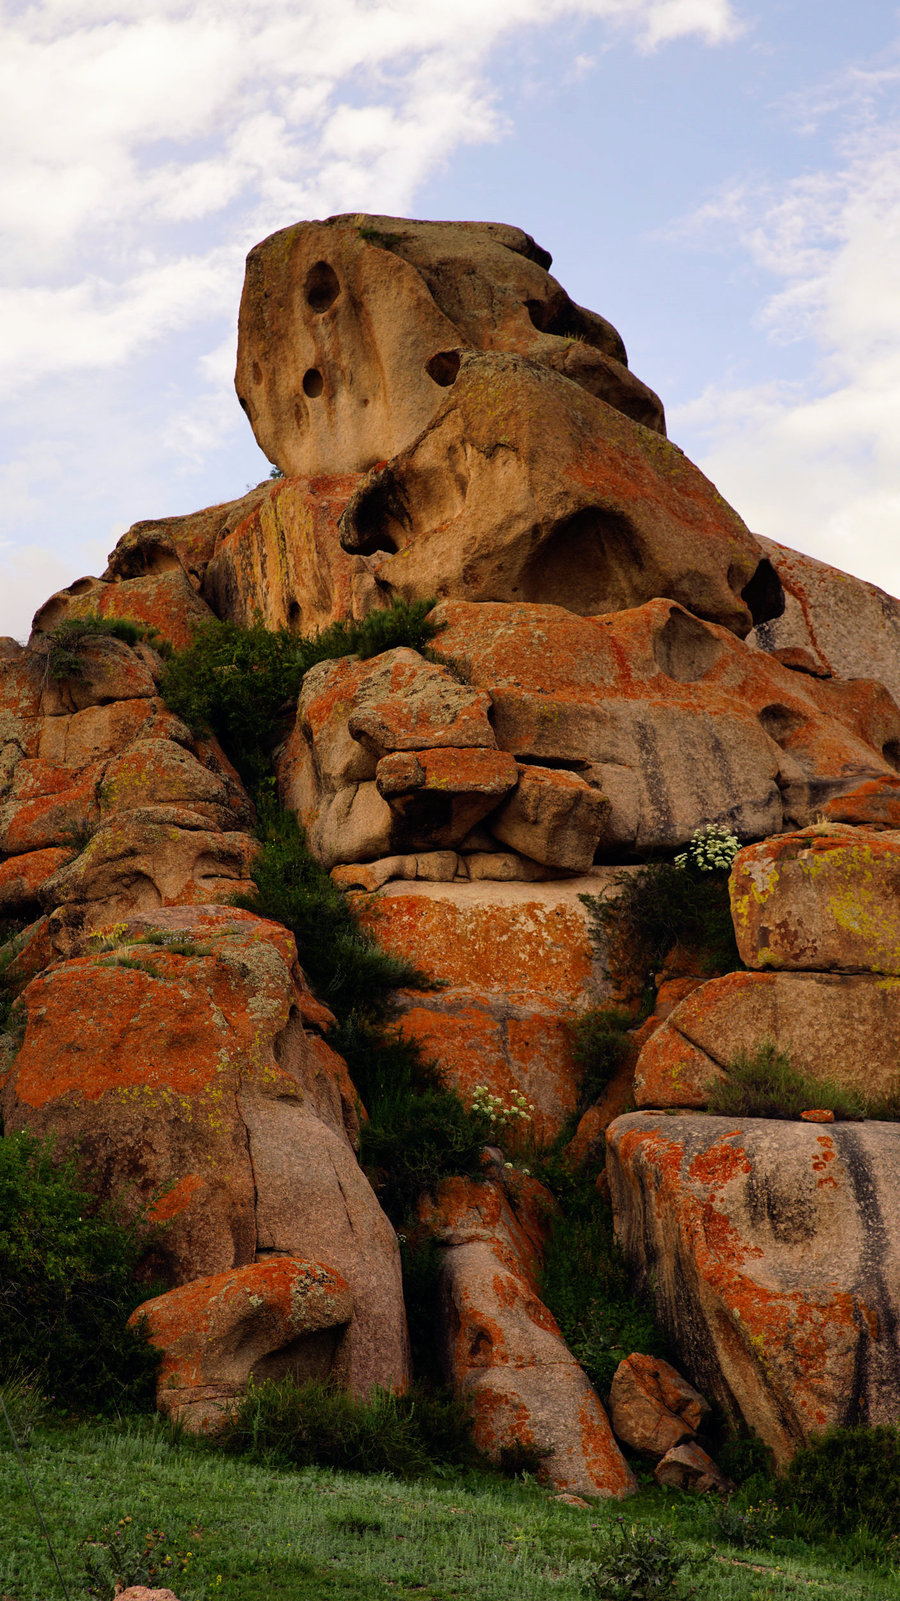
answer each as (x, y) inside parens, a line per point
(720, 178)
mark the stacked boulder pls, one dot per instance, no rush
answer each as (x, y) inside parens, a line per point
(773, 1248)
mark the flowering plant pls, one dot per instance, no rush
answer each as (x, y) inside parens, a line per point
(712, 849)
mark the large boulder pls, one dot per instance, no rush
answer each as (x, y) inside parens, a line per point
(502, 1349)
(175, 1062)
(771, 1254)
(837, 1027)
(551, 496)
(826, 898)
(652, 1407)
(351, 329)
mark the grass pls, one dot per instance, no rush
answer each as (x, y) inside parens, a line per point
(765, 1083)
(220, 1526)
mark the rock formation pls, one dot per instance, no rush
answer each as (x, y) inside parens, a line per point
(618, 663)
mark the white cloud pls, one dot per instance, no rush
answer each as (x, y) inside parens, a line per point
(146, 147)
(816, 465)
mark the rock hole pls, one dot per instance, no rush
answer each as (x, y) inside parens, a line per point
(443, 367)
(322, 287)
(684, 649)
(552, 316)
(313, 383)
(891, 753)
(780, 722)
(257, 373)
(764, 595)
(367, 526)
(481, 1348)
(586, 564)
(243, 405)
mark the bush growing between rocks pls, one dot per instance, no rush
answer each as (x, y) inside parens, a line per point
(661, 906)
(601, 1047)
(585, 1283)
(62, 649)
(765, 1083)
(67, 1286)
(847, 1479)
(292, 1425)
(242, 683)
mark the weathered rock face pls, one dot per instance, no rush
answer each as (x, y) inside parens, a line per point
(736, 1230)
(181, 1071)
(350, 329)
(272, 1319)
(821, 898)
(516, 962)
(672, 719)
(524, 488)
(502, 1348)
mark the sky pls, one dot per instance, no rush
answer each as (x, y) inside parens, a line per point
(719, 178)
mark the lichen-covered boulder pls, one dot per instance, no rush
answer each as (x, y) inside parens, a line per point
(276, 1318)
(825, 898)
(182, 1062)
(511, 962)
(503, 1350)
(837, 1027)
(672, 719)
(771, 1254)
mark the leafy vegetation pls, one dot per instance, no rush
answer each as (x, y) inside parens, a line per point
(63, 647)
(241, 683)
(846, 1479)
(639, 1564)
(601, 1047)
(585, 1284)
(67, 1285)
(286, 1424)
(765, 1083)
(658, 907)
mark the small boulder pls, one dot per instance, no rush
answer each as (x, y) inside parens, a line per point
(652, 1407)
(688, 1467)
(824, 898)
(554, 817)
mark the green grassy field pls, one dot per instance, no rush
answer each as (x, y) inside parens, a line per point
(219, 1526)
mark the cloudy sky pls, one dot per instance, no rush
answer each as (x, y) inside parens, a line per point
(720, 178)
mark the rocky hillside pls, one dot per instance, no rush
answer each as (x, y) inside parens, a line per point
(611, 664)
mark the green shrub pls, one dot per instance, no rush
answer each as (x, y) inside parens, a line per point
(343, 964)
(25, 1404)
(601, 1047)
(67, 1285)
(586, 1285)
(764, 1083)
(412, 1141)
(286, 1424)
(639, 1563)
(658, 907)
(241, 684)
(847, 1479)
(63, 647)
